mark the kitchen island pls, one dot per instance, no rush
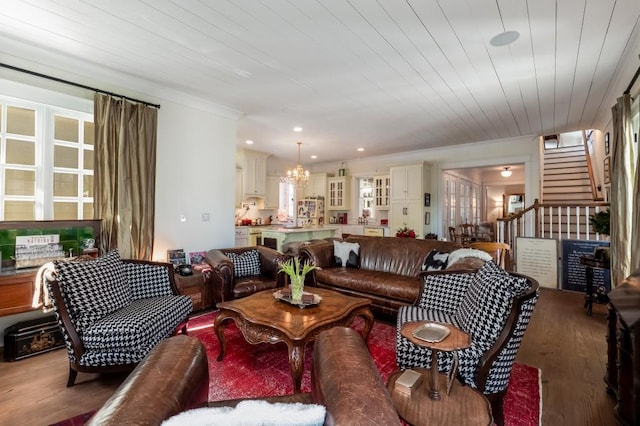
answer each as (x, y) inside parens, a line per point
(284, 235)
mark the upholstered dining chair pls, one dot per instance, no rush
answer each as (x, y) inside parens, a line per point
(499, 251)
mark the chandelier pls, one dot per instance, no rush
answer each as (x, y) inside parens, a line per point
(299, 175)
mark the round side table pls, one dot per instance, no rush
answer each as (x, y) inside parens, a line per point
(427, 405)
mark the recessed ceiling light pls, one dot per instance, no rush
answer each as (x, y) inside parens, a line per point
(360, 149)
(249, 142)
(504, 38)
(314, 156)
(297, 129)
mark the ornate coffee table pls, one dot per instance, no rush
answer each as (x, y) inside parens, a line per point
(263, 319)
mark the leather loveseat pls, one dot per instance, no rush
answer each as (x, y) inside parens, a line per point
(387, 273)
(174, 377)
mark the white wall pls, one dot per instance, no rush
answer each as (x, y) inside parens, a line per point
(196, 163)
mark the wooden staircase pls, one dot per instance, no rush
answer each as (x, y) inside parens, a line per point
(566, 177)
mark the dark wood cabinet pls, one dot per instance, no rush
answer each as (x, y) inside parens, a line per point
(197, 287)
(16, 291)
(623, 349)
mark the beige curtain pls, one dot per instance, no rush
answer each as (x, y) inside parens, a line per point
(124, 175)
(624, 194)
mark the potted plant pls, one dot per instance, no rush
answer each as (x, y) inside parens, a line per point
(296, 271)
(600, 223)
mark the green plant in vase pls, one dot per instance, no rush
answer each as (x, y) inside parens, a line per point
(600, 222)
(296, 270)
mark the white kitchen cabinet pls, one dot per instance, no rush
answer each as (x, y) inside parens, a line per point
(338, 193)
(272, 196)
(382, 191)
(254, 174)
(408, 186)
(242, 236)
(407, 213)
(407, 182)
(317, 185)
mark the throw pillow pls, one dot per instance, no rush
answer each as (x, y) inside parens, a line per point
(487, 303)
(245, 264)
(346, 254)
(253, 413)
(94, 288)
(435, 261)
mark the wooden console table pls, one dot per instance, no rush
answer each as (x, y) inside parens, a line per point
(623, 349)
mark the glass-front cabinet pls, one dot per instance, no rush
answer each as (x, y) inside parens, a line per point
(382, 191)
(338, 193)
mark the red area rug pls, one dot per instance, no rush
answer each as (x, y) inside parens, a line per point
(263, 370)
(249, 371)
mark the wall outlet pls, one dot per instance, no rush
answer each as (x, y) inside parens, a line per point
(205, 217)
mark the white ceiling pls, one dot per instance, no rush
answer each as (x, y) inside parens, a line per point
(386, 75)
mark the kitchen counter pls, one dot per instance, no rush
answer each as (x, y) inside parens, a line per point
(284, 235)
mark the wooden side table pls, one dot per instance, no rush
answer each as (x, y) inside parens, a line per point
(427, 405)
(197, 287)
(462, 406)
(457, 339)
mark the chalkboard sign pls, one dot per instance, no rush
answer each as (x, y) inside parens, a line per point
(574, 273)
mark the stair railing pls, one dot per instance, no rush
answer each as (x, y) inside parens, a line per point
(550, 220)
(587, 153)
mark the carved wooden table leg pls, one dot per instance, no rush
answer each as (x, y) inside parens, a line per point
(296, 364)
(219, 326)
(367, 316)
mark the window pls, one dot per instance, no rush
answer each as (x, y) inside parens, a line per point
(366, 205)
(46, 162)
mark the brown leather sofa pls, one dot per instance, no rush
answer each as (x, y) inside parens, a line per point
(387, 273)
(174, 375)
(225, 286)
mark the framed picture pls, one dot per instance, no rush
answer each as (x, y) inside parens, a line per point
(606, 143)
(176, 257)
(607, 169)
(427, 199)
(427, 218)
(197, 257)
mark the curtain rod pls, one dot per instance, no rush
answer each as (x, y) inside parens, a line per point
(71, 83)
(633, 81)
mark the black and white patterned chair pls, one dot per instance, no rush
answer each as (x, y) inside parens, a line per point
(113, 311)
(493, 306)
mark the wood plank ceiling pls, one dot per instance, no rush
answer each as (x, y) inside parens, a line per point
(386, 75)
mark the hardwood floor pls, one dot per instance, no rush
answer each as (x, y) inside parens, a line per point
(568, 346)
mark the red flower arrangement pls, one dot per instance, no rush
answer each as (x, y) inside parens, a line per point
(405, 232)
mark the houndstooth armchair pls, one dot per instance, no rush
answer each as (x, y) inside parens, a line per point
(493, 306)
(113, 312)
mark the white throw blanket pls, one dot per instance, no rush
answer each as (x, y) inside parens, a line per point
(468, 252)
(41, 297)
